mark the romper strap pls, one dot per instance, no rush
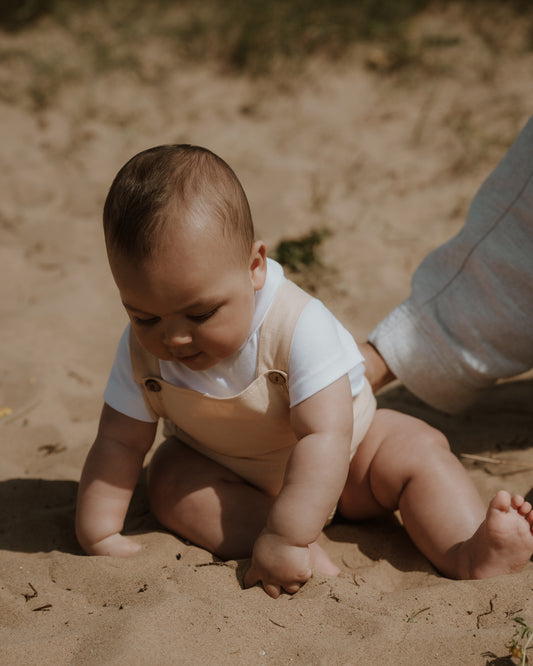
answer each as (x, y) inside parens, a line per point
(145, 365)
(277, 329)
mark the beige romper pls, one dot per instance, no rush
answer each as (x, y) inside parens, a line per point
(249, 433)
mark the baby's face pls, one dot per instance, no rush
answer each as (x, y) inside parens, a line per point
(192, 302)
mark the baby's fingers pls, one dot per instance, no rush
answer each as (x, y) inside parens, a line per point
(251, 577)
(272, 590)
(292, 588)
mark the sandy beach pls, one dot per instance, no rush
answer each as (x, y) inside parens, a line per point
(387, 160)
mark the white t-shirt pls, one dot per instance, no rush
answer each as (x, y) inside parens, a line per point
(322, 351)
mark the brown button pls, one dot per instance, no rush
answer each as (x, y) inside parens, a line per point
(152, 385)
(276, 378)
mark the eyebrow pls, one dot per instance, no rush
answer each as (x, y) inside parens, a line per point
(133, 309)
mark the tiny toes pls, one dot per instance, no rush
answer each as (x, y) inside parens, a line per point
(524, 509)
(517, 501)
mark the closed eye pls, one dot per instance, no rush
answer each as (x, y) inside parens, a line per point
(204, 316)
(146, 322)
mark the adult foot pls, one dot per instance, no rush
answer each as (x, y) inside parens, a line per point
(503, 542)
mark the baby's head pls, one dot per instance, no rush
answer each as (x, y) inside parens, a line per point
(178, 187)
(179, 237)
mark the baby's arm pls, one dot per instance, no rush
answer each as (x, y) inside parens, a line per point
(314, 481)
(107, 482)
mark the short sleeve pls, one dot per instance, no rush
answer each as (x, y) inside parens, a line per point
(122, 392)
(322, 351)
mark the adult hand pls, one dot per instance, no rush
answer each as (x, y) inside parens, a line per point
(377, 371)
(278, 565)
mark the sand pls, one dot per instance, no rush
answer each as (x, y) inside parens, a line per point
(388, 161)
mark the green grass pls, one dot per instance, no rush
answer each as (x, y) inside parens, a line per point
(250, 37)
(246, 35)
(300, 257)
(299, 254)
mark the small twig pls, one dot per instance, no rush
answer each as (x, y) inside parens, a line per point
(486, 612)
(43, 608)
(496, 461)
(413, 617)
(277, 624)
(30, 596)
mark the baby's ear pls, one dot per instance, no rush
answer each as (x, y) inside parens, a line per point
(258, 265)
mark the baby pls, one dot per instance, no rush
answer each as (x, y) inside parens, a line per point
(271, 426)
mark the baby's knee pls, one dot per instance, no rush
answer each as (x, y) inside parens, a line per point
(432, 439)
(429, 449)
(170, 503)
(179, 498)
(416, 448)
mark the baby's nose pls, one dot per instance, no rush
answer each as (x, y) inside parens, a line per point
(177, 334)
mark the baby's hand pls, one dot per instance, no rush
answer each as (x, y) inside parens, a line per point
(278, 564)
(115, 545)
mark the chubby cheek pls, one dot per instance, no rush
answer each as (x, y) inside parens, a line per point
(223, 340)
(230, 346)
(151, 341)
(217, 344)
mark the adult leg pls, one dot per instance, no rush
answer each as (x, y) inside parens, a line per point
(405, 464)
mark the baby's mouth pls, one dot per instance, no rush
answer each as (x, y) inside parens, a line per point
(186, 358)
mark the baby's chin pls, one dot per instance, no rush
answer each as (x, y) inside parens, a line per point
(196, 362)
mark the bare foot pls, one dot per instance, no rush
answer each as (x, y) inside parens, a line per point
(320, 561)
(503, 542)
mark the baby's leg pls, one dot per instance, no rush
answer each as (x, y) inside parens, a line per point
(405, 464)
(210, 505)
(204, 502)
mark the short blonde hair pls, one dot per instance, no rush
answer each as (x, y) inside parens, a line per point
(174, 183)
